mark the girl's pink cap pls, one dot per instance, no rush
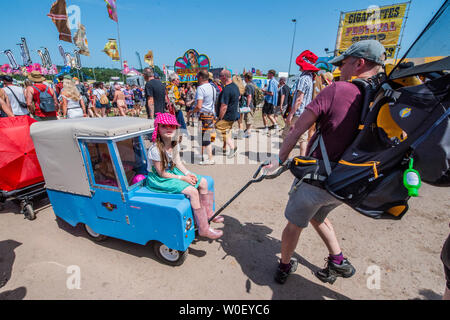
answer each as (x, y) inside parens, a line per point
(163, 118)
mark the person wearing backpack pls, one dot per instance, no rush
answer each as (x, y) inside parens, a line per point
(248, 99)
(336, 110)
(101, 100)
(41, 99)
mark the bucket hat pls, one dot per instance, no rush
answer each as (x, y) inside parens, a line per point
(306, 61)
(163, 118)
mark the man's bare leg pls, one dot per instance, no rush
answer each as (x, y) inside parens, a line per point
(326, 232)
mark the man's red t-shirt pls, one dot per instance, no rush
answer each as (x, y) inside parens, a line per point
(338, 110)
(37, 101)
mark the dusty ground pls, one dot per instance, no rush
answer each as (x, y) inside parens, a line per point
(36, 256)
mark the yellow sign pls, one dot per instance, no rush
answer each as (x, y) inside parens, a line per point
(148, 58)
(378, 23)
(112, 50)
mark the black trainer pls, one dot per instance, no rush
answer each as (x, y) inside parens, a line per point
(333, 270)
(281, 276)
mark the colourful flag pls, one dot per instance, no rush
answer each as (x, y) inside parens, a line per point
(148, 58)
(112, 9)
(112, 50)
(58, 14)
(80, 40)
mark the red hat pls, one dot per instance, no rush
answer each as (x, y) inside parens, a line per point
(163, 118)
(305, 61)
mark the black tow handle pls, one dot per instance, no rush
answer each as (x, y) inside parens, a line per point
(255, 179)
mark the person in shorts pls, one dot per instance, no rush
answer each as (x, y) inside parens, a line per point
(204, 104)
(249, 95)
(227, 111)
(101, 101)
(337, 110)
(303, 92)
(270, 101)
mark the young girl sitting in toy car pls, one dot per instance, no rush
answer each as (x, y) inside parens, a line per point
(167, 174)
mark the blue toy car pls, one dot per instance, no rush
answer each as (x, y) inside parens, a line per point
(90, 166)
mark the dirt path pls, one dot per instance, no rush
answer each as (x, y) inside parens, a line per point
(36, 254)
(39, 258)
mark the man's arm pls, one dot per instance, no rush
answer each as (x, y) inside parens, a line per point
(282, 100)
(223, 110)
(199, 105)
(297, 104)
(55, 100)
(6, 107)
(306, 120)
(29, 99)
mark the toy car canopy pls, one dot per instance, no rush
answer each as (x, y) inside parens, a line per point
(59, 154)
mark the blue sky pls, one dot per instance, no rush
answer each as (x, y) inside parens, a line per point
(236, 34)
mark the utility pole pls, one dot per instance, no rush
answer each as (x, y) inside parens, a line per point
(140, 62)
(292, 48)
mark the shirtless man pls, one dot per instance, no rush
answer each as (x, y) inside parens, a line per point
(119, 98)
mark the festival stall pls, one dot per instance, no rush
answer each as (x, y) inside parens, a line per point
(188, 65)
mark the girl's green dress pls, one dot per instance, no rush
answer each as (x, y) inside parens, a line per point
(156, 183)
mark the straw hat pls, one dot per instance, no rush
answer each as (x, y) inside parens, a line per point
(328, 76)
(36, 76)
(211, 76)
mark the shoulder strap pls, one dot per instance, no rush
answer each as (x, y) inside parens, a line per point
(214, 93)
(319, 141)
(430, 130)
(13, 94)
(39, 90)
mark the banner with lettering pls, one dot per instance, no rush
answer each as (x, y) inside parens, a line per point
(378, 23)
(190, 64)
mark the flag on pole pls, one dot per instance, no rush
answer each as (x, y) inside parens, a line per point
(112, 50)
(148, 58)
(112, 9)
(58, 14)
(80, 40)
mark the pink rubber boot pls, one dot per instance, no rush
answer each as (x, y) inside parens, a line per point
(207, 201)
(204, 229)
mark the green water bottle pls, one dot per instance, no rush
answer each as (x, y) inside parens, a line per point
(411, 180)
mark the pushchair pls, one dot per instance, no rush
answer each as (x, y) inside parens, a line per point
(21, 179)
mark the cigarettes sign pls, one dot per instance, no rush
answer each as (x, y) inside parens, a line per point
(378, 23)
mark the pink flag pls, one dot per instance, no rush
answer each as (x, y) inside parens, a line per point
(112, 9)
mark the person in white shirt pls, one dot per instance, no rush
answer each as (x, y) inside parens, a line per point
(204, 103)
(16, 96)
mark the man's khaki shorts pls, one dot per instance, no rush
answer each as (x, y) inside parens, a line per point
(224, 128)
(308, 202)
(303, 137)
(247, 118)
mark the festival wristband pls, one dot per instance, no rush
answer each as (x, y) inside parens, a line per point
(279, 161)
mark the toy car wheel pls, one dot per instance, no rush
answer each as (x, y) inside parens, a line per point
(94, 235)
(169, 256)
(29, 212)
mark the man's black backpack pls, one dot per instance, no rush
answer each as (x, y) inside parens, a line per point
(397, 125)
